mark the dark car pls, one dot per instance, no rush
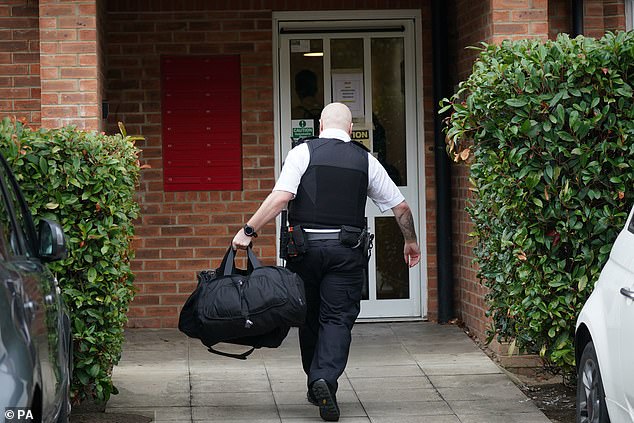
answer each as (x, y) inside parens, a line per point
(35, 340)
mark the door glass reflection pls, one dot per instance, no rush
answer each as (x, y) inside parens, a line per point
(307, 88)
(347, 58)
(392, 275)
(388, 106)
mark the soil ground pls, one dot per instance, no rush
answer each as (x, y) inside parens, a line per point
(97, 417)
(554, 399)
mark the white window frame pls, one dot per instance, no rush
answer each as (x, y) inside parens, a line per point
(629, 15)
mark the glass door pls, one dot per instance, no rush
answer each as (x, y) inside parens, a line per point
(374, 74)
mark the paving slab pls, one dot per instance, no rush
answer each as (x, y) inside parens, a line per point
(405, 372)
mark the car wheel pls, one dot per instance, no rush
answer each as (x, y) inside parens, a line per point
(591, 406)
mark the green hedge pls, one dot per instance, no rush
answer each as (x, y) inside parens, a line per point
(86, 181)
(548, 132)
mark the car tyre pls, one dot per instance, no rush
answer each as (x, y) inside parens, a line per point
(591, 407)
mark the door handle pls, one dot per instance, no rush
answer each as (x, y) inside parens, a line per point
(31, 309)
(627, 293)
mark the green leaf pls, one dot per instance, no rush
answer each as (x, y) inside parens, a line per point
(565, 136)
(43, 165)
(583, 281)
(516, 102)
(91, 274)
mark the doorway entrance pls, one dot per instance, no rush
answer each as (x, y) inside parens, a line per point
(370, 65)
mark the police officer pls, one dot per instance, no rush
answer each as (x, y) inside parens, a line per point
(328, 180)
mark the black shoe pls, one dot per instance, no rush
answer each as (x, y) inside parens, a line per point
(311, 398)
(328, 408)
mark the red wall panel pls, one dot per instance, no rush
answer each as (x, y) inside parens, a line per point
(202, 148)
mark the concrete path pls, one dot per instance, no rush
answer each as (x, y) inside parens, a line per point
(398, 372)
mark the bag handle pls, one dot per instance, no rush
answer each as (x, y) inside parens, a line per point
(228, 264)
(241, 356)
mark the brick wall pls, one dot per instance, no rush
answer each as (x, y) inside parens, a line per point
(559, 17)
(20, 60)
(491, 22)
(183, 232)
(593, 20)
(614, 15)
(70, 64)
(471, 23)
(518, 19)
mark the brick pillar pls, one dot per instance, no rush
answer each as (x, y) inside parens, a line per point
(614, 15)
(70, 64)
(593, 20)
(19, 61)
(518, 19)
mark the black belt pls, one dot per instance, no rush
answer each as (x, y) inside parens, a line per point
(318, 236)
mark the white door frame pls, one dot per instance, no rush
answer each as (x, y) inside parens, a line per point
(366, 20)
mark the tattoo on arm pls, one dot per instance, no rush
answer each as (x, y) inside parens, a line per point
(405, 221)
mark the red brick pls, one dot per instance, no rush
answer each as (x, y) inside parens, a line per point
(77, 22)
(57, 10)
(13, 69)
(144, 323)
(179, 276)
(530, 15)
(91, 110)
(58, 85)
(161, 242)
(79, 98)
(58, 35)
(78, 47)
(59, 111)
(87, 9)
(159, 288)
(177, 253)
(25, 34)
(538, 28)
(510, 28)
(59, 60)
(174, 299)
(79, 72)
(21, 105)
(88, 85)
(14, 93)
(14, 46)
(145, 300)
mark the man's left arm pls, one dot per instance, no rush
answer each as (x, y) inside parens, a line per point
(270, 208)
(405, 221)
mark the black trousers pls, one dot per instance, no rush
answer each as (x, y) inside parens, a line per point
(333, 278)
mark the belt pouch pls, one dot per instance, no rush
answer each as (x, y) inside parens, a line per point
(299, 239)
(350, 236)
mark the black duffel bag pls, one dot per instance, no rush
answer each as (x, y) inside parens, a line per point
(256, 307)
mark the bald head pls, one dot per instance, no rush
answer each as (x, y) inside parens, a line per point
(336, 115)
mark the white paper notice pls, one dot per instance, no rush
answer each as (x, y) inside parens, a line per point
(348, 89)
(300, 46)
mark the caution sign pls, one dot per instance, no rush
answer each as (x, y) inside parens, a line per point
(302, 128)
(362, 136)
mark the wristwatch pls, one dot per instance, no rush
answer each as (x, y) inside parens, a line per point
(249, 231)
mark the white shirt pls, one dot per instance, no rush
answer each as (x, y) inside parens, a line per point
(381, 189)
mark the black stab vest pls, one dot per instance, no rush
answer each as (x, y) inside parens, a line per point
(334, 188)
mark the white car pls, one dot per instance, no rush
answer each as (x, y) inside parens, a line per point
(604, 339)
